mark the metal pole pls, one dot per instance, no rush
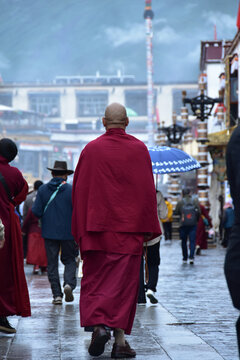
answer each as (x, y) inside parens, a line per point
(148, 16)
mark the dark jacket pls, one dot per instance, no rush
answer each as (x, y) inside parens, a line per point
(228, 218)
(233, 170)
(179, 206)
(232, 260)
(56, 220)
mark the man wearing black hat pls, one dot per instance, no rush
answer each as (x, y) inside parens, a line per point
(53, 205)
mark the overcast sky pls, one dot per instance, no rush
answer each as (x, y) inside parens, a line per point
(40, 39)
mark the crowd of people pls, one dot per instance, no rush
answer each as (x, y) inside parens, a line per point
(107, 218)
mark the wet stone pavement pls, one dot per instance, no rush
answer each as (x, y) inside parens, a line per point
(193, 320)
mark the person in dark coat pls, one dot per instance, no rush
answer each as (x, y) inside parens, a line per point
(53, 205)
(232, 259)
(187, 230)
(228, 221)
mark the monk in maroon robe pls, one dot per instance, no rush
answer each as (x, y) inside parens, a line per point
(201, 234)
(14, 298)
(114, 210)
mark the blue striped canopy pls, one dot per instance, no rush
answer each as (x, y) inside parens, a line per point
(167, 160)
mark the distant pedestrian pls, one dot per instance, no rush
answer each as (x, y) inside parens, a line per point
(53, 205)
(188, 210)
(114, 209)
(31, 197)
(14, 298)
(220, 215)
(152, 259)
(26, 206)
(228, 221)
(232, 260)
(204, 222)
(167, 222)
(36, 253)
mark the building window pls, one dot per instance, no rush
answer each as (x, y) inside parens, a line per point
(29, 162)
(91, 103)
(136, 102)
(45, 103)
(6, 99)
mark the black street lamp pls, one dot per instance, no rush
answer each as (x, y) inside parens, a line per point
(174, 132)
(201, 105)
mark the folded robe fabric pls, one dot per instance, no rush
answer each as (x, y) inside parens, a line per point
(109, 289)
(113, 188)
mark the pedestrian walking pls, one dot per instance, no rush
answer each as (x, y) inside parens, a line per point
(232, 260)
(31, 229)
(53, 205)
(167, 222)
(152, 259)
(204, 222)
(26, 206)
(114, 209)
(228, 221)
(188, 210)
(14, 297)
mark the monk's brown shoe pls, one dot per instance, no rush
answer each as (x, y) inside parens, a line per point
(99, 338)
(122, 352)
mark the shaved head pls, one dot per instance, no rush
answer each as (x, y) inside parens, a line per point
(115, 114)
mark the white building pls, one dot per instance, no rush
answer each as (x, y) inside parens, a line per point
(72, 108)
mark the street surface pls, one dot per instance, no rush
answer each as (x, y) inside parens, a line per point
(194, 318)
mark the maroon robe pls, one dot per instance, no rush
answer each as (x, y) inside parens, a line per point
(36, 254)
(14, 298)
(201, 235)
(114, 204)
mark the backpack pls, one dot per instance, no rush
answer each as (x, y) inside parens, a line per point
(190, 214)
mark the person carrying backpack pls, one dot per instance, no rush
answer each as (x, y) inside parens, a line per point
(188, 210)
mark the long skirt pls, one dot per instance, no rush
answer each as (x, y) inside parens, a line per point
(109, 289)
(36, 254)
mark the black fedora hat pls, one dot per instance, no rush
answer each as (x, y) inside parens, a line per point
(61, 167)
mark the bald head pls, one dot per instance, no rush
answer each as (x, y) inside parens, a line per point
(115, 116)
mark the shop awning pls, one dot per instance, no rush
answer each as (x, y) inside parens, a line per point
(220, 138)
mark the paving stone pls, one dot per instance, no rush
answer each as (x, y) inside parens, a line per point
(194, 318)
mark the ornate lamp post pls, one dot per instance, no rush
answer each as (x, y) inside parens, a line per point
(174, 134)
(202, 106)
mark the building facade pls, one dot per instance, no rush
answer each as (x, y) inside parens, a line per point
(71, 108)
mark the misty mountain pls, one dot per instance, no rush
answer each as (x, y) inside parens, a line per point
(44, 38)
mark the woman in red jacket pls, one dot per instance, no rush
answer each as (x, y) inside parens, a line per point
(36, 254)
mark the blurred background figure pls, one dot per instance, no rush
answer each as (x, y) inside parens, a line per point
(152, 259)
(167, 222)
(202, 235)
(228, 221)
(31, 229)
(26, 206)
(188, 210)
(221, 201)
